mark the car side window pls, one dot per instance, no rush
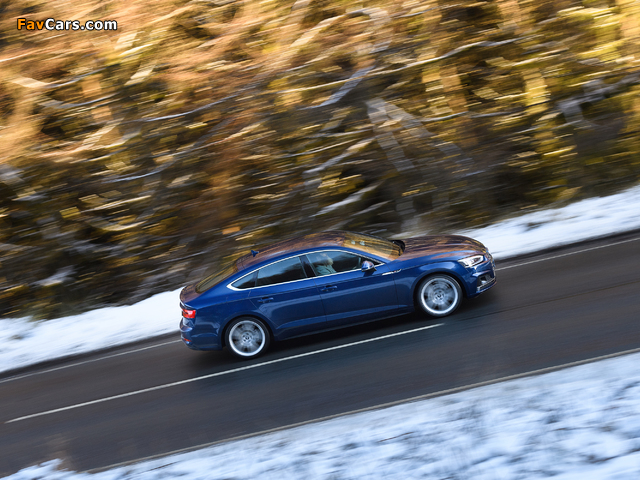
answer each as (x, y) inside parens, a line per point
(327, 263)
(308, 269)
(283, 271)
(248, 281)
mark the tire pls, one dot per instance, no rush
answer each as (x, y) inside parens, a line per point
(439, 295)
(247, 337)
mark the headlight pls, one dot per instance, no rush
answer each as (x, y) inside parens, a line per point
(472, 261)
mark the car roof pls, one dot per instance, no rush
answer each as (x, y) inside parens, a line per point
(314, 240)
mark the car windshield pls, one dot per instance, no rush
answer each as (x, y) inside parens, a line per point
(216, 278)
(375, 245)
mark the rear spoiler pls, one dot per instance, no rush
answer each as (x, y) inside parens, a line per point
(400, 243)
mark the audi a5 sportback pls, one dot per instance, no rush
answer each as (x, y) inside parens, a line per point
(329, 280)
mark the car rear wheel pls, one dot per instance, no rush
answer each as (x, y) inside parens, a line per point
(247, 337)
(439, 295)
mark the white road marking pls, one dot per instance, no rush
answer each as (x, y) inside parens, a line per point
(218, 374)
(368, 409)
(17, 377)
(179, 341)
(570, 253)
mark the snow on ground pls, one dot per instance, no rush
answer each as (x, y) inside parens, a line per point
(591, 218)
(579, 423)
(24, 342)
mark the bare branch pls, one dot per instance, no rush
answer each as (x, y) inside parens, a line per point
(353, 198)
(332, 161)
(372, 74)
(352, 83)
(184, 114)
(378, 114)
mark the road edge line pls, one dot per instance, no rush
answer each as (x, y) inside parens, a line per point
(217, 374)
(381, 406)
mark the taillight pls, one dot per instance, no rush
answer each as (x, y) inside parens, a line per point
(188, 313)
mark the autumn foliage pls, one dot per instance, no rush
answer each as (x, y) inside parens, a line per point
(133, 160)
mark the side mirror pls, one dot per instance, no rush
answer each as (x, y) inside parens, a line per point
(368, 266)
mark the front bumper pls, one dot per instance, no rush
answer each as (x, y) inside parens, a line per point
(483, 276)
(485, 282)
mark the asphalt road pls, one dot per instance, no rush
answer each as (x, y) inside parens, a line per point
(548, 309)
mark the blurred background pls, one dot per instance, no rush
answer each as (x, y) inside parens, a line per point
(136, 160)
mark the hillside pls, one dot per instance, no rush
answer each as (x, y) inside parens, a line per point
(136, 159)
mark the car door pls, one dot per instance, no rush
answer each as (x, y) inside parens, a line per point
(289, 298)
(348, 294)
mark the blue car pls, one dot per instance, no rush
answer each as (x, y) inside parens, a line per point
(329, 280)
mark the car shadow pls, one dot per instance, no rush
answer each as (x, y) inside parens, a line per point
(469, 312)
(204, 362)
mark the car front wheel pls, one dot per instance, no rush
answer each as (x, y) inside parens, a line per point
(247, 337)
(439, 295)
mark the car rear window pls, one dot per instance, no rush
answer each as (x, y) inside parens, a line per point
(374, 245)
(216, 278)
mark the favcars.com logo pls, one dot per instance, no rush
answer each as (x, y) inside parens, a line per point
(53, 24)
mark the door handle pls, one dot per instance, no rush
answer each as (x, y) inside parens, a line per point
(328, 288)
(265, 299)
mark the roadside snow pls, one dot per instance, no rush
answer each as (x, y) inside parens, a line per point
(575, 424)
(24, 342)
(591, 218)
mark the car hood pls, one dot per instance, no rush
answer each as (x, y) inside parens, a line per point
(439, 246)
